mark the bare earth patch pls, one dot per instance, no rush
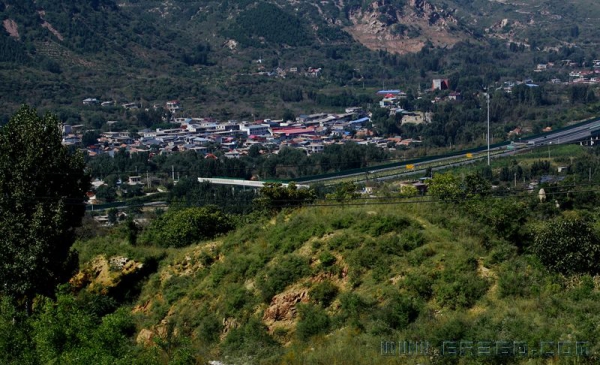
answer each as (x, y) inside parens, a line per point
(12, 28)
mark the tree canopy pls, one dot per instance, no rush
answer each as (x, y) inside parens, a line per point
(42, 192)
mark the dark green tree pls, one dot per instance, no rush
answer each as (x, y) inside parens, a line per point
(568, 245)
(42, 195)
(274, 196)
(90, 138)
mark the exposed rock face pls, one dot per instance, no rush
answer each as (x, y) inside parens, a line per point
(49, 26)
(145, 337)
(12, 28)
(102, 274)
(283, 307)
(403, 30)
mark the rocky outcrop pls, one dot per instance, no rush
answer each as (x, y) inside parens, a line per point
(283, 307)
(103, 275)
(11, 28)
(403, 30)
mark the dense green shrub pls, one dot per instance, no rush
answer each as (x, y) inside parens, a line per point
(327, 259)
(420, 283)
(313, 321)
(352, 306)
(179, 228)
(323, 293)
(236, 297)
(517, 279)
(376, 225)
(399, 311)
(460, 286)
(568, 245)
(290, 269)
(209, 328)
(250, 339)
(345, 241)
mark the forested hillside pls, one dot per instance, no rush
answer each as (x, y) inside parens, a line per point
(233, 59)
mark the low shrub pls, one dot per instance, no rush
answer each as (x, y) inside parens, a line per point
(179, 228)
(323, 293)
(313, 321)
(290, 269)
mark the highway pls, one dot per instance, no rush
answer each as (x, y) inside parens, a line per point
(574, 133)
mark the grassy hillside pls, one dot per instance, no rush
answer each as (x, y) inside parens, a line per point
(328, 284)
(343, 279)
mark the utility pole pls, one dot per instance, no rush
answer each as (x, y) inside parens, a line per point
(488, 125)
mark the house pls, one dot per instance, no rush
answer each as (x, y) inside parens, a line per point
(228, 127)
(256, 129)
(389, 92)
(130, 106)
(314, 147)
(456, 96)
(290, 133)
(66, 129)
(313, 72)
(388, 102)
(440, 84)
(91, 101)
(233, 154)
(134, 180)
(359, 123)
(173, 106)
(515, 132)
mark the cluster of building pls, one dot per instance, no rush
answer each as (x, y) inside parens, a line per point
(578, 75)
(310, 133)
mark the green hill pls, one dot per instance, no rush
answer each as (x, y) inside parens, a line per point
(333, 284)
(466, 274)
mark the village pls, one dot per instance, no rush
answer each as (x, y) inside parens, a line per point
(309, 132)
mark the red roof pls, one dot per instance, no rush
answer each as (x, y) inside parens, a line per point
(288, 131)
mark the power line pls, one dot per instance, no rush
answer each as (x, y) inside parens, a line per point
(359, 201)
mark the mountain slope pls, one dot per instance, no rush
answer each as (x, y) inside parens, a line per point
(215, 56)
(329, 284)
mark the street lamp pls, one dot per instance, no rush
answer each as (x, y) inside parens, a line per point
(488, 125)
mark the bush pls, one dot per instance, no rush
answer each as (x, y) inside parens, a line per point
(419, 283)
(250, 339)
(327, 259)
(323, 293)
(568, 245)
(460, 290)
(516, 279)
(210, 328)
(179, 228)
(313, 321)
(377, 225)
(290, 269)
(399, 312)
